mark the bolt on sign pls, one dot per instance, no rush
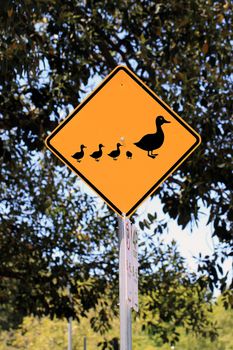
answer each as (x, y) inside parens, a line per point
(123, 141)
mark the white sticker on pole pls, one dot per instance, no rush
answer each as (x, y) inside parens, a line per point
(132, 264)
(128, 231)
(134, 248)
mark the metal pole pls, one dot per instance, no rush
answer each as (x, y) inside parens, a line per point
(85, 343)
(70, 334)
(125, 311)
(69, 324)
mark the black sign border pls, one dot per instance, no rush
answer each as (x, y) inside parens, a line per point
(83, 104)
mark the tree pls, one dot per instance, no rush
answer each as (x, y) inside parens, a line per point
(48, 53)
(50, 238)
(51, 241)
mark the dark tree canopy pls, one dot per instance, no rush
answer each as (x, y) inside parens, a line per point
(182, 50)
(49, 53)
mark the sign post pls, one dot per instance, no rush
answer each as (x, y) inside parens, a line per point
(124, 142)
(125, 310)
(69, 323)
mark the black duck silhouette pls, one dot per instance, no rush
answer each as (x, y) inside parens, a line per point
(97, 154)
(150, 142)
(115, 154)
(129, 155)
(79, 155)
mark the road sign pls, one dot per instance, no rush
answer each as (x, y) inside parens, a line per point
(123, 141)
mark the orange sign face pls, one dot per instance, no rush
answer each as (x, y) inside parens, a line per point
(123, 141)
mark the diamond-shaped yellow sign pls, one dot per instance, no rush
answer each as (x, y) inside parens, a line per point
(123, 141)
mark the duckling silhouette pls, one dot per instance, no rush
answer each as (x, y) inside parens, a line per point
(79, 155)
(150, 142)
(97, 154)
(115, 154)
(129, 155)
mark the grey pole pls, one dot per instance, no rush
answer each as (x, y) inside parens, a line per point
(70, 334)
(69, 325)
(85, 343)
(125, 311)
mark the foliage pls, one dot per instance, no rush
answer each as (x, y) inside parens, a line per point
(43, 250)
(44, 334)
(50, 49)
(172, 298)
(80, 250)
(50, 230)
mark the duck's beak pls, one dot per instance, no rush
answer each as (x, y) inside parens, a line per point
(166, 121)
